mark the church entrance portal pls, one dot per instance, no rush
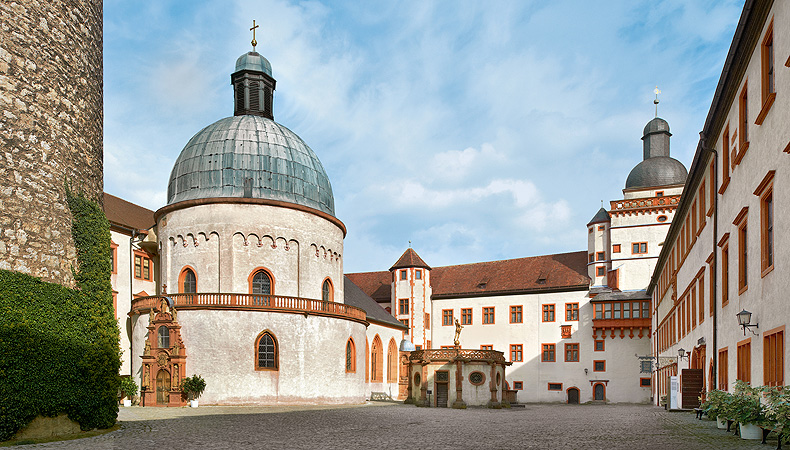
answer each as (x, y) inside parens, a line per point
(162, 387)
(598, 392)
(573, 396)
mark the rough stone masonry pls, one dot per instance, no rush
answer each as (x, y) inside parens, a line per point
(50, 128)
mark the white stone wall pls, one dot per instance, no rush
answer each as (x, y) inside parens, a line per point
(224, 243)
(635, 270)
(766, 295)
(220, 346)
(418, 292)
(125, 285)
(387, 335)
(622, 366)
(599, 241)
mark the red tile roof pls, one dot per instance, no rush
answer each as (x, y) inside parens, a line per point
(410, 258)
(560, 272)
(374, 284)
(127, 214)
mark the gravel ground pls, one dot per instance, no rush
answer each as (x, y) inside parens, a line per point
(396, 426)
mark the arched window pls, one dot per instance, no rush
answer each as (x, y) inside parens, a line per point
(188, 281)
(164, 337)
(392, 362)
(266, 356)
(327, 291)
(261, 283)
(377, 361)
(351, 356)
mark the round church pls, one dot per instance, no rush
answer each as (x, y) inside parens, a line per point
(251, 268)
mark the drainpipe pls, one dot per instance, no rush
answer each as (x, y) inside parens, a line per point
(715, 252)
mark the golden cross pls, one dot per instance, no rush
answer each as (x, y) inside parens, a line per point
(254, 42)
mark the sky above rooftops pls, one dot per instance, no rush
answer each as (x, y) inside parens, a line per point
(477, 130)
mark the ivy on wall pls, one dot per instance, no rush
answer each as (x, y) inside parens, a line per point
(59, 349)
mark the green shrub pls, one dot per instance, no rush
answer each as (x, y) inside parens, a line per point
(128, 387)
(59, 348)
(193, 386)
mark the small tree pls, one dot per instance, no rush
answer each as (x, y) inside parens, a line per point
(128, 387)
(193, 386)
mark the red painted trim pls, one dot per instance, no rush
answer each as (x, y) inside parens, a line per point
(252, 275)
(182, 275)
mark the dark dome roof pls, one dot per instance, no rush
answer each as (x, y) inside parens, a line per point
(253, 61)
(657, 171)
(219, 158)
(601, 216)
(656, 125)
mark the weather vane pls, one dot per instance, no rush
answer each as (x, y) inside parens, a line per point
(254, 42)
(656, 100)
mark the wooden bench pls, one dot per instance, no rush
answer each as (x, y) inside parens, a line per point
(699, 413)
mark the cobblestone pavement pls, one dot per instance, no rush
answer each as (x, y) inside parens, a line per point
(382, 425)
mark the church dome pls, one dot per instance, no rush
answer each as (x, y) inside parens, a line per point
(657, 171)
(254, 157)
(253, 61)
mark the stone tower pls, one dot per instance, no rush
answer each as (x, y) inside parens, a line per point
(50, 129)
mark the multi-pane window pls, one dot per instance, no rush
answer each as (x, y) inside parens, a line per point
(486, 347)
(516, 352)
(622, 310)
(488, 315)
(143, 267)
(555, 386)
(741, 223)
(163, 337)
(404, 274)
(447, 317)
(466, 316)
(599, 366)
(518, 385)
(418, 274)
(600, 271)
(639, 247)
(267, 352)
(189, 285)
(405, 322)
(548, 354)
(725, 275)
(403, 306)
(351, 360)
(327, 293)
(261, 283)
(600, 256)
(516, 314)
(765, 192)
(571, 311)
(548, 313)
(743, 116)
(599, 346)
(571, 352)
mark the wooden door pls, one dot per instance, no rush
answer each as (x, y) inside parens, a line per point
(441, 395)
(691, 384)
(162, 387)
(573, 396)
(598, 392)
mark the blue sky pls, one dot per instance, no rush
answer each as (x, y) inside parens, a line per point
(477, 130)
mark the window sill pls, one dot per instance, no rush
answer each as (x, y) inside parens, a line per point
(769, 101)
(724, 185)
(741, 153)
(767, 270)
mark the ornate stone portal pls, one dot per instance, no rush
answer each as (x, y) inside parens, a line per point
(478, 377)
(164, 359)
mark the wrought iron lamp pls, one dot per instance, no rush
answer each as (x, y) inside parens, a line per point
(744, 320)
(682, 354)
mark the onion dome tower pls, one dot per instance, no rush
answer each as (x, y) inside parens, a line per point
(657, 167)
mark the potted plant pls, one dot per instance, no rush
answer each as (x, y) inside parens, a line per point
(748, 410)
(715, 405)
(128, 390)
(777, 409)
(193, 387)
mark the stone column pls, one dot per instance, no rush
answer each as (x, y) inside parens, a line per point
(409, 399)
(423, 401)
(459, 375)
(493, 403)
(505, 399)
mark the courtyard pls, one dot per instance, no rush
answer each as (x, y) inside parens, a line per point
(390, 425)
